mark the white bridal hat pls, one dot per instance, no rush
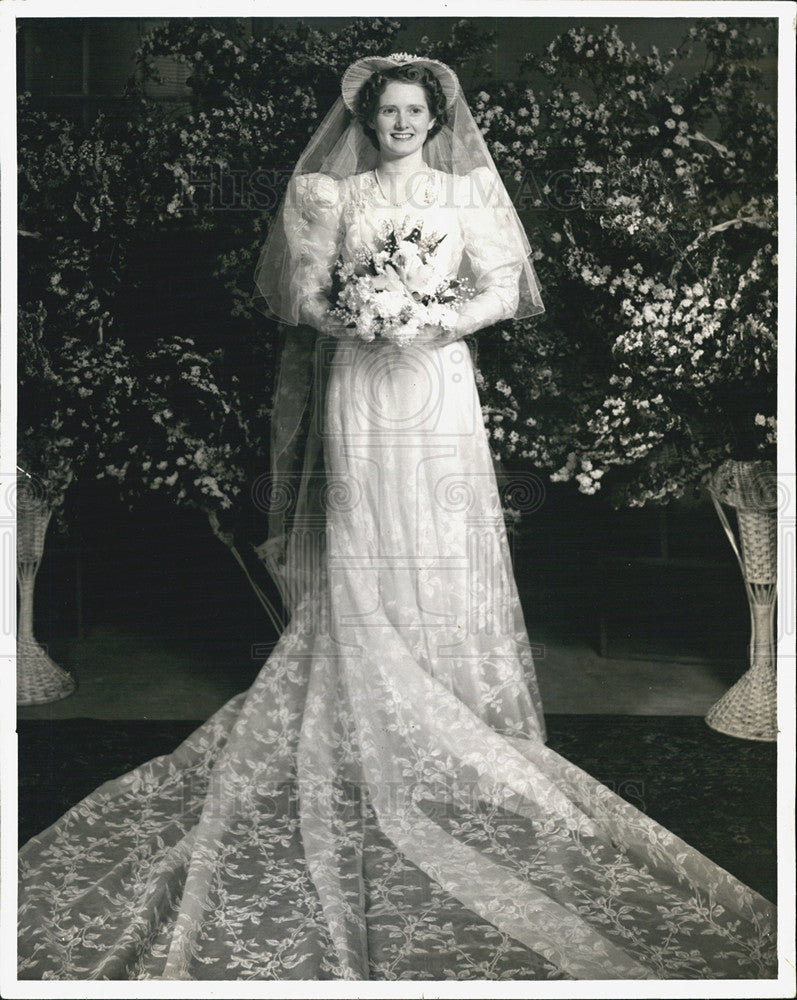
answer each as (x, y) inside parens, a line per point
(356, 75)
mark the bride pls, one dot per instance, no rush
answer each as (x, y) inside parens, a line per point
(381, 803)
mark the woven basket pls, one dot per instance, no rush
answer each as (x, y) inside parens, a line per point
(39, 679)
(749, 709)
(745, 485)
(758, 531)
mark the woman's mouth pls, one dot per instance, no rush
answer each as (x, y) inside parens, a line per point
(403, 136)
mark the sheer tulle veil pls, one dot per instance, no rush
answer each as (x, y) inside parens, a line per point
(338, 149)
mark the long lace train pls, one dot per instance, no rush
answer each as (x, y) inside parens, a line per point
(381, 802)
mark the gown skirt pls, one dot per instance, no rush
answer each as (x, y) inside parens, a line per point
(380, 804)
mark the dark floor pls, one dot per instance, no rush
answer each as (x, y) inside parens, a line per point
(629, 613)
(125, 672)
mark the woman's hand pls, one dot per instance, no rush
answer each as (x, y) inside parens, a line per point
(464, 326)
(332, 327)
(485, 309)
(316, 313)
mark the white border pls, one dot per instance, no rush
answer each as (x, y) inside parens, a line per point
(611, 10)
(8, 401)
(787, 515)
(784, 12)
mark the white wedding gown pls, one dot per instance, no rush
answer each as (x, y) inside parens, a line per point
(380, 804)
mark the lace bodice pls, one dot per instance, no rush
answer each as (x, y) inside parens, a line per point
(332, 219)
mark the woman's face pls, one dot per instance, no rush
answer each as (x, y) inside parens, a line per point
(402, 119)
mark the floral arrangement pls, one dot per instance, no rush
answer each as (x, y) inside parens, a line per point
(396, 291)
(76, 219)
(76, 223)
(72, 404)
(192, 436)
(649, 191)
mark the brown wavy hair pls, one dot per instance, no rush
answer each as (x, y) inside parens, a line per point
(374, 87)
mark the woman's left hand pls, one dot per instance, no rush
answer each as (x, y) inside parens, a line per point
(463, 327)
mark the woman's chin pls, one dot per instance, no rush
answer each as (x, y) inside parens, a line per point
(398, 150)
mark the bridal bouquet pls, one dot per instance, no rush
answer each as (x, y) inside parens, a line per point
(394, 291)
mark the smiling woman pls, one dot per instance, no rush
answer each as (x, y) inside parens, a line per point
(401, 123)
(401, 100)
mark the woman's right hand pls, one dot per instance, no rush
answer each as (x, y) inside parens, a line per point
(316, 313)
(331, 326)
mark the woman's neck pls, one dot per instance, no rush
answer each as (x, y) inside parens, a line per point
(402, 166)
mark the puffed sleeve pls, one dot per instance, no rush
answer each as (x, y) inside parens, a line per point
(313, 227)
(494, 246)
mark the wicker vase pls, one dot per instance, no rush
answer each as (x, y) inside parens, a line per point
(39, 679)
(749, 709)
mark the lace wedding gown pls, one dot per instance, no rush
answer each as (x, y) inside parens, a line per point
(380, 804)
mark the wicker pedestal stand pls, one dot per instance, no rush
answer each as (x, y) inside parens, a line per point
(749, 709)
(39, 679)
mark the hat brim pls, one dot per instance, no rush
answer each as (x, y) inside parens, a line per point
(356, 75)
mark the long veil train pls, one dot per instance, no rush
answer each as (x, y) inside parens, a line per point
(381, 803)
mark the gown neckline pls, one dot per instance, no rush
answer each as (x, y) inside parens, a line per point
(427, 189)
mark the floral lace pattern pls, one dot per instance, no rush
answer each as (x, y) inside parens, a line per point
(381, 804)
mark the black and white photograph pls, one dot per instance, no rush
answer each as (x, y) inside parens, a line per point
(398, 493)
